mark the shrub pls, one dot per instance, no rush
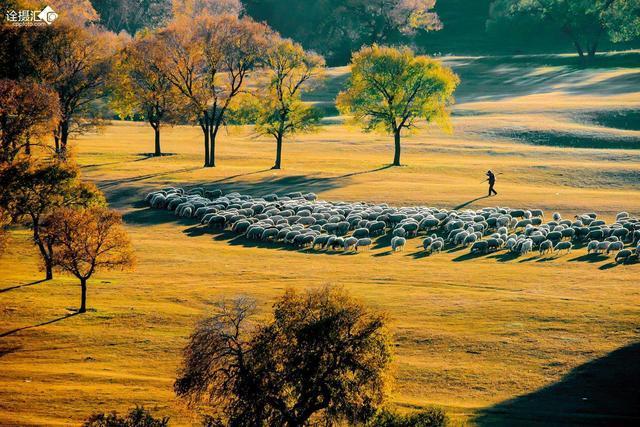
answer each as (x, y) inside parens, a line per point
(137, 417)
(432, 417)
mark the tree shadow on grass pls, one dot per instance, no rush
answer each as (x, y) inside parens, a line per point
(22, 286)
(13, 331)
(602, 392)
(4, 351)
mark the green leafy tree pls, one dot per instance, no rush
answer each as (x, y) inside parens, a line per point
(141, 89)
(391, 89)
(584, 22)
(322, 358)
(32, 189)
(432, 417)
(276, 109)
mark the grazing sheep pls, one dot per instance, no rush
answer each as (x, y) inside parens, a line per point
(545, 247)
(563, 246)
(364, 244)
(360, 233)
(436, 246)
(615, 247)
(350, 243)
(527, 246)
(397, 243)
(592, 246)
(480, 247)
(470, 239)
(623, 256)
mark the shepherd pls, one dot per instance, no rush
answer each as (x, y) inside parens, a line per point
(491, 178)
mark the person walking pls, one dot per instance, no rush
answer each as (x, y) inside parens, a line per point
(491, 178)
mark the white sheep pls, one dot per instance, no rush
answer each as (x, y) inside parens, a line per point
(397, 243)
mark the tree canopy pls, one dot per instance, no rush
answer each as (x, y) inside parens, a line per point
(391, 89)
(276, 107)
(86, 241)
(322, 357)
(584, 22)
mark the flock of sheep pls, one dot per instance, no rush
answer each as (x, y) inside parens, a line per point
(302, 221)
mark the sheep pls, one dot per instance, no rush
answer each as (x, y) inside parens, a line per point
(545, 247)
(602, 247)
(480, 247)
(360, 233)
(563, 246)
(623, 256)
(350, 243)
(592, 246)
(615, 247)
(397, 243)
(364, 243)
(436, 246)
(527, 246)
(470, 239)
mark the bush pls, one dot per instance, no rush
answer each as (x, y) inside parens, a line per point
(432, 417)
(137, 417)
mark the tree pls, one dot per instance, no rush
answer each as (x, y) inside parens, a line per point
(86, 241)
(32, 189)
(194, 8)
(277, 108)
(139, 87)
(208, 60)
(323, 357)
(584, 22)
(137, 417)
(132, 15)
(390, 89)
(27, 111)
(73, 61)
(335, 28)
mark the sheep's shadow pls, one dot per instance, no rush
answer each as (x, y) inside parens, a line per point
(531, 258)
(505, 257)
(468, 256)
(608, 266)
(590, 258)
(420, 254)
(385, 253)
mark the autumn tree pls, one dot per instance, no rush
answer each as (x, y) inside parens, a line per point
(140, 88)
(391, 89)
(74, 61)
(32, 189)
(28, 111)
(86, 241)
(584, 22)
(277, 109)
(194, 8)
(208, 61)
(322, 357)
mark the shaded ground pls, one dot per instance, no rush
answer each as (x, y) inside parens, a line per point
(604, 391)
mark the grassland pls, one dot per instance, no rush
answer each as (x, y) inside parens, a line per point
(494, 340)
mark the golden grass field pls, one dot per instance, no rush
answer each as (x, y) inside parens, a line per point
(470, 334)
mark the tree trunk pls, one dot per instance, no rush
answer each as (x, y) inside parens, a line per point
(278, 152)
(157, 151)
(396, 156)
(213, 130)
(46, 256)
(64, 137)
(27, 147)
(579, 49)
(205, 131)
(592, 50)
(83, 299)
